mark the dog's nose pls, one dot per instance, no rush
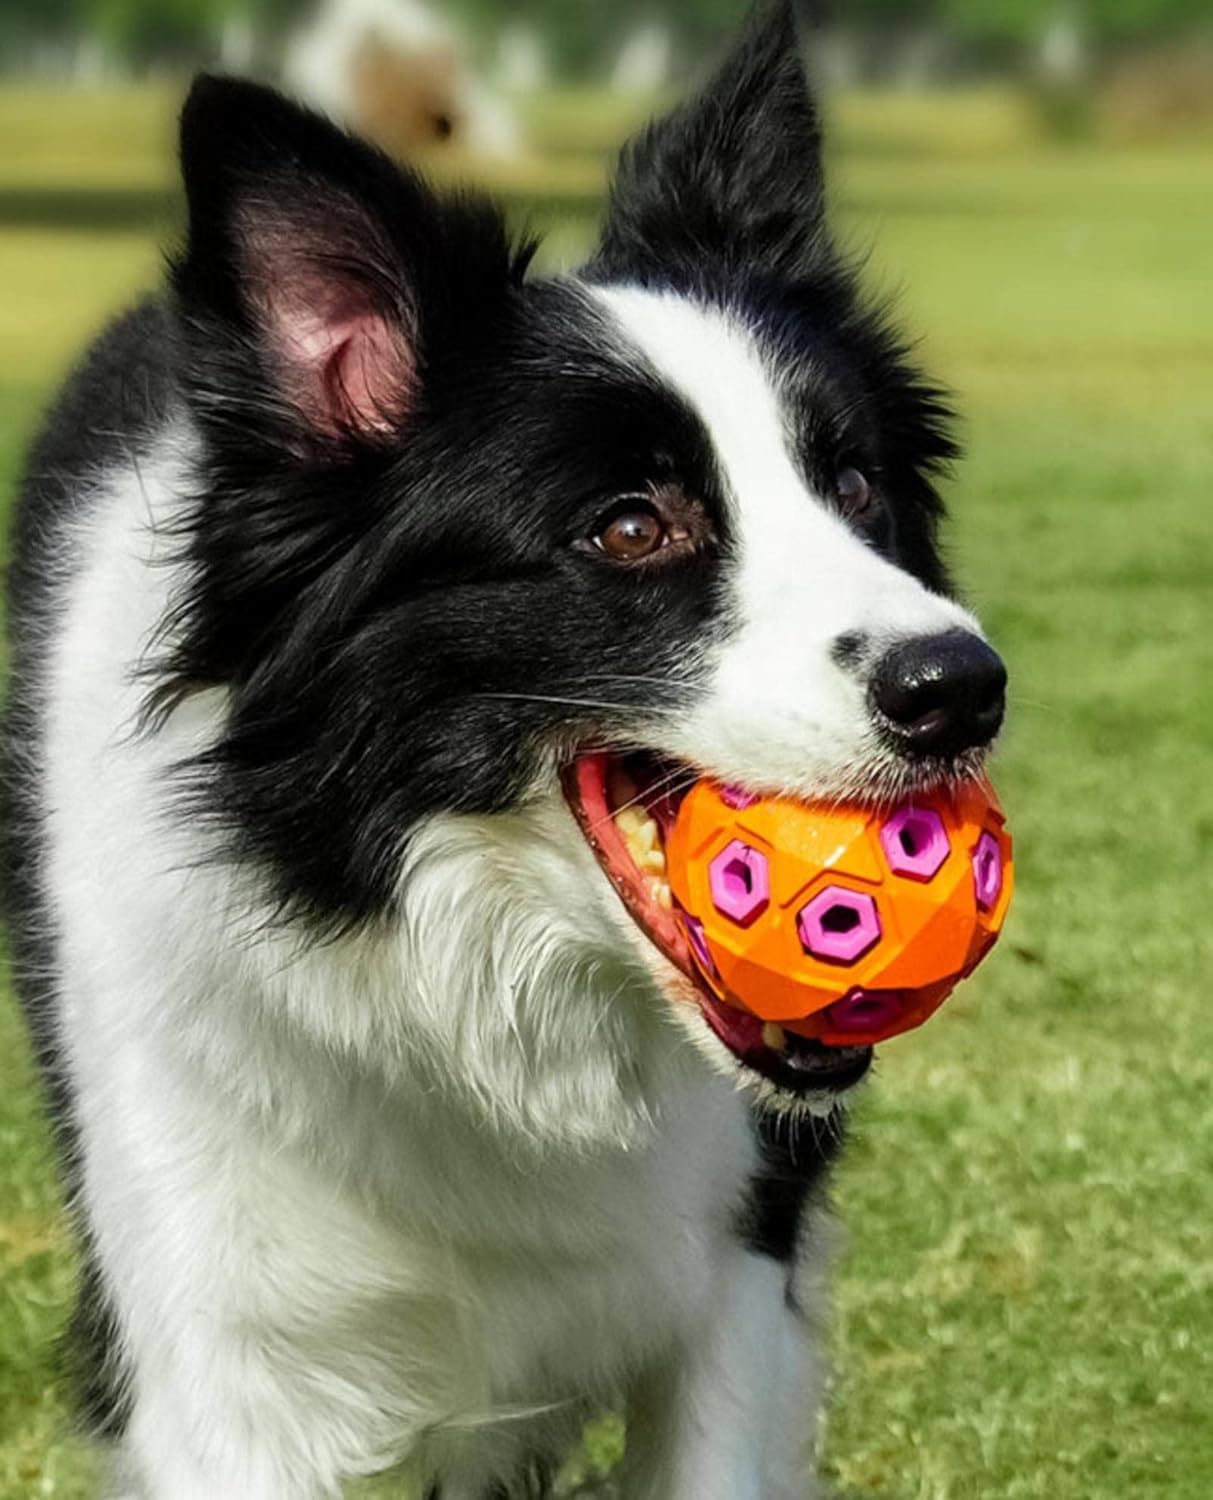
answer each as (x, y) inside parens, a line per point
(940, 694)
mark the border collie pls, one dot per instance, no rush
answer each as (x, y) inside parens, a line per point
(352, 577)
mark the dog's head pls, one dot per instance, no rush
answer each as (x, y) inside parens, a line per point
(463, 529)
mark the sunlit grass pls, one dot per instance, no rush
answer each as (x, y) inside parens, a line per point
(59, 287)
(1024, 1300)
(115, 137)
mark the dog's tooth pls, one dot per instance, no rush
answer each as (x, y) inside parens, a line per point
(659, 891)
(634, 823)
(642, 839)
(648, 835)
(774, 1037)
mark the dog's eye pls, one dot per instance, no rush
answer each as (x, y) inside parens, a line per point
(855, 493)
(861, 502)
(656, 527)
(632, 534)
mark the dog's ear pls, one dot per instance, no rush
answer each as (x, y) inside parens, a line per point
(730, 181)
(318, 278)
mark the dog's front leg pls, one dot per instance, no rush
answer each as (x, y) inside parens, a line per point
(162, 1458)
(734, 1418)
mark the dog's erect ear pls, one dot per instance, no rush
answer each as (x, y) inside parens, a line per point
(318, 270)
(732, 179)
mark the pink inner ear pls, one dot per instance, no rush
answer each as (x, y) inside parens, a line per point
(349, 367)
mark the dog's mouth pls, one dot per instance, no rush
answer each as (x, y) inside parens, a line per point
(626, 806)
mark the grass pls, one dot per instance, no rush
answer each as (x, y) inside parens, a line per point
(1024, 1301)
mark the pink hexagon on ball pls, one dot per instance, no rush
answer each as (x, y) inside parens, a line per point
(698, 943)
(740, 882)
(839, 925)
(987, 872)
(867, 1011)
(915, 843)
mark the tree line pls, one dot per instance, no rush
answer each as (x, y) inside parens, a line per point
(581, 33)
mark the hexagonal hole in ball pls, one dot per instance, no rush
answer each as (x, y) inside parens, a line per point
(840, 919)
(839, 925)
(739, 879)
(915, 843)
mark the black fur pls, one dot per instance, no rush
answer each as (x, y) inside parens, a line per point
(730, 185)
(373, 604)
(797, 1155)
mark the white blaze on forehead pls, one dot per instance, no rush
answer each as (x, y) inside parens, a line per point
(779, 710)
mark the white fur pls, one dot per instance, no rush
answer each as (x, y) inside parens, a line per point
(734, 1420)
(780, 712)
(430, 1192)
(321, 64)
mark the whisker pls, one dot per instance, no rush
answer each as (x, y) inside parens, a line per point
(680, 684)
(668, 784)
(619, 708)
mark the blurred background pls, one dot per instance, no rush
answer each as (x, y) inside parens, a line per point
(1025, 1288)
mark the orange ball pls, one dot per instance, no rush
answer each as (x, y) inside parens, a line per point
(839, 923)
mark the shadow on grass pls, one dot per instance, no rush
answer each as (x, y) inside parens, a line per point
(112, 209)
(140, 209)
(161, 210)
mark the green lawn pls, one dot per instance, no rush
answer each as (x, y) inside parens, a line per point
(1025, 1296)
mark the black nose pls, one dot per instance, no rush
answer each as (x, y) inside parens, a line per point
(940, 694)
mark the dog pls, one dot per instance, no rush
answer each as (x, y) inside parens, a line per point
(347, 573)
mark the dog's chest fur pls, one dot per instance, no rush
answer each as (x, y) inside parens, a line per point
(375, 1223)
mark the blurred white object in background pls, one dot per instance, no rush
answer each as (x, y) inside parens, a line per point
(1063, 46)
(644, 63)
(91, 62)
(400, 73)
(237, 44)
(522, 60)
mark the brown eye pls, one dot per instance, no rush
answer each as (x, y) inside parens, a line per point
(854, 491)
(632, 536)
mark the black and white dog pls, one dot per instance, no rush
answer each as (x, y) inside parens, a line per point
(355, 579)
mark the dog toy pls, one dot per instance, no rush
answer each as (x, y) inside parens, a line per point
(838, 923)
